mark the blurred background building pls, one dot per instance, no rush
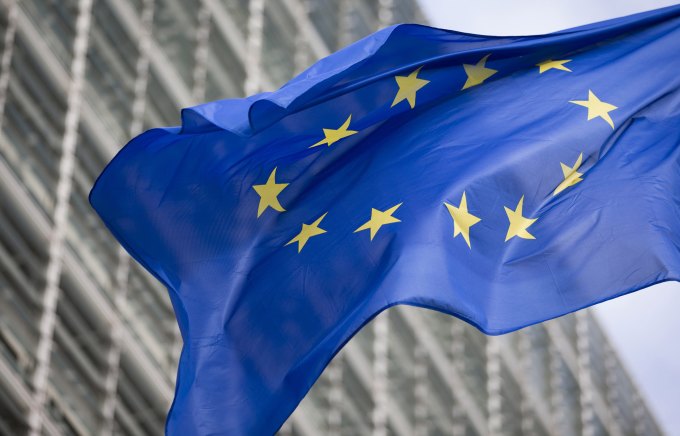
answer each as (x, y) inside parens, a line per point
(88, 341)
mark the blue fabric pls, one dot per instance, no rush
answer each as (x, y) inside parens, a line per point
(260, 320)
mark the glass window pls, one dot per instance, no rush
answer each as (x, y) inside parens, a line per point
(21, 283)
(55, 20)
(111, 72)
(76, 369)
(33, 126)
(135, 410)
(90, 241)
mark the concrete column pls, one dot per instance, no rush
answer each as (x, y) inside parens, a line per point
(457, 350)
(420, 392)
(57, 235)
(613, 391)
(254, 39)
(345, 24)
(6, 60)
(335, 396)
(525, 349)
(639, 415)
(494, 384)
(200, 73)
(286, 428)
(585, 373)
(557, 394)
(381, 328)
(385, 13)
(120, 289)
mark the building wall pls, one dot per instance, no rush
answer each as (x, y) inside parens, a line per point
(88, 341)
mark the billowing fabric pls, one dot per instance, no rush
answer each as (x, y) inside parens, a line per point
(502, 180)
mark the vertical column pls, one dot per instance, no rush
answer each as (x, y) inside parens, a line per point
(494, 385)
(301, 59)
(120, 289)
(335, 396)
(286, 428)
(639, 415)
(254, 47)
(457, 351)
(200, 72)
(385, 13)
(56, 238)
(611, 385)
(528, 423)
(381, 326)
(585, 373)
(345, 24)
(557, 395)
(6, 60)
(420, 391)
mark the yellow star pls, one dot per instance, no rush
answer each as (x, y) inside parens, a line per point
(308, 231)
(334, 135)
(408, 86)
(476, 74)
(551, 64)
(462, 219)
(596, 108)
(518, 223)
(269, 193)
(379, 219)
(571, 175)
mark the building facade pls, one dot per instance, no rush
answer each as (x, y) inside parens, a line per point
(88, 341)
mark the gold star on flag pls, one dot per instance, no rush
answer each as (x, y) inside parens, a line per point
(478, 73)
(518, 224)
(551, 64)
(571, 175)
(379, 219)
(269, 194)
(596, 108)
(334, 135)
(462, 219)
(308, 231)
(408, 86)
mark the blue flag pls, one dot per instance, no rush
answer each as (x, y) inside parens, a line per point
(502, 180)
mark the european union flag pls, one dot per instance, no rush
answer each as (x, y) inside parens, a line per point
(502, 180)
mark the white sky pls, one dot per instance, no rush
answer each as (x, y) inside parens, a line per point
(643, 326)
